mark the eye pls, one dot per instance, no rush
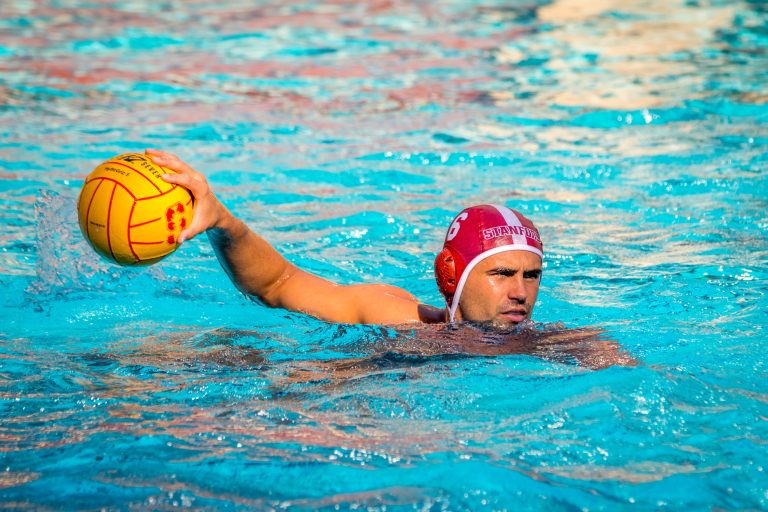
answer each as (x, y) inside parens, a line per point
(532, 274)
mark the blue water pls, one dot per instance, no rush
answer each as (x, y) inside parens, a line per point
(632, 133)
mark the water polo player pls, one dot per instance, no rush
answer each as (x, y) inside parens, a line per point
(488, 271)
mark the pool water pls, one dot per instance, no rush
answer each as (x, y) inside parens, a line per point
(348, 134)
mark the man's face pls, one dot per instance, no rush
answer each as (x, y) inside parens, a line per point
(501, 290)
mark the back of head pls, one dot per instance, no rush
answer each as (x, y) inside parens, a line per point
(475, 234)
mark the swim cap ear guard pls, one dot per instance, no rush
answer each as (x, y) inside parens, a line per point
(475, 234)
(445, 272)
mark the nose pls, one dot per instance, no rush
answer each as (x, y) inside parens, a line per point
(516, 290)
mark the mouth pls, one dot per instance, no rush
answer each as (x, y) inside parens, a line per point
(514, 316)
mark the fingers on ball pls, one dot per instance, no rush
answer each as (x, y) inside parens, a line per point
(180, 179)
(174, 178)
(171, 161)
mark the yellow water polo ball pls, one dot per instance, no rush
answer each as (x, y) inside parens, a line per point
(129, 214)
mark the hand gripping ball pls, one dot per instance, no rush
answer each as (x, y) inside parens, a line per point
(130, 215)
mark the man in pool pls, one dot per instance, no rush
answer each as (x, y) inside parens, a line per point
(488, 271)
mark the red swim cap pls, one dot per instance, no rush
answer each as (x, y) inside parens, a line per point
(476, 233)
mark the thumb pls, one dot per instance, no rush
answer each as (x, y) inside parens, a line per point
(196, 227)
(184, 236)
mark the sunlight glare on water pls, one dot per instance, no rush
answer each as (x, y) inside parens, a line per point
(348, 134)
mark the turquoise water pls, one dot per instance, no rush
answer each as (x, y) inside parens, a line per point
(349, 134)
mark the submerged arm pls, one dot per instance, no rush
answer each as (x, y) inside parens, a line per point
(587, 346)
(258, 269)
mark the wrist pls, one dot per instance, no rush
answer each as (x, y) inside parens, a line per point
(223, 219)
(227, 227)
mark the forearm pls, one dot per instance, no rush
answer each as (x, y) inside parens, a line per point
(253, 265)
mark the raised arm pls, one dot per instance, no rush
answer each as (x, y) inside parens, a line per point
(257, 269)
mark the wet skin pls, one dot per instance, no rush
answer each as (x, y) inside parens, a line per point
(501, 290)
